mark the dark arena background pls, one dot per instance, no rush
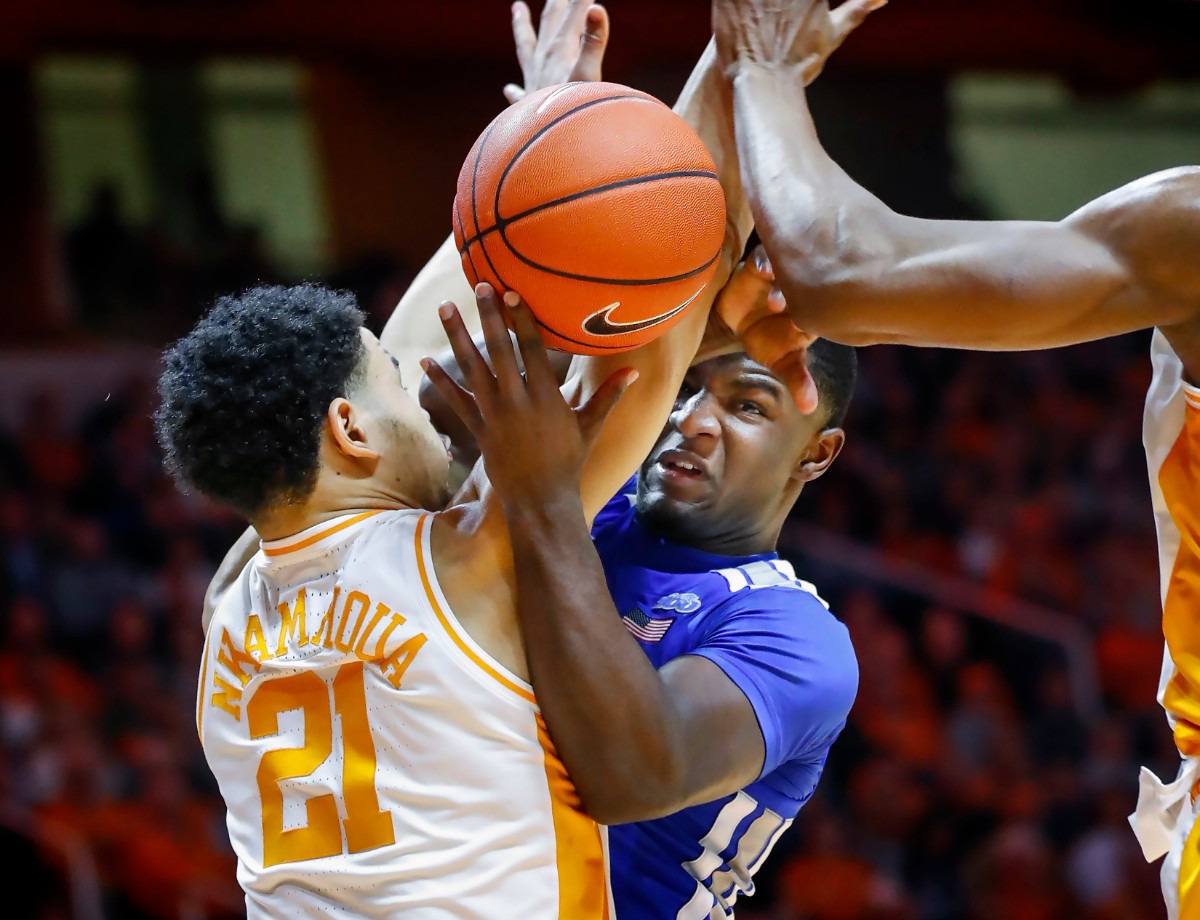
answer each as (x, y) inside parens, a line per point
(987, 535)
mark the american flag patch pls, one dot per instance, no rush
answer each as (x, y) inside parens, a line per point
(644, 628)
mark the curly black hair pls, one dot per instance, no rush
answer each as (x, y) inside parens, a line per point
(244, 394)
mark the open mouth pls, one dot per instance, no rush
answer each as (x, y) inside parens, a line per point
(682, 466)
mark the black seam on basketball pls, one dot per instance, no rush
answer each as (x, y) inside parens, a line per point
(628, 282)
(475, 207)
(566, 338)
(502, 223)
(466, 251)
(542, 130)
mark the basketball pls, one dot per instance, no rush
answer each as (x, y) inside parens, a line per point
(600, 206)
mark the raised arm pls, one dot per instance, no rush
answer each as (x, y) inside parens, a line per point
(855, 271)
(661, 364)
(637, 742)
(569, 44)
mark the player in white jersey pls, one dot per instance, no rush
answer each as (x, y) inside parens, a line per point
(364, 701)
(854, 271)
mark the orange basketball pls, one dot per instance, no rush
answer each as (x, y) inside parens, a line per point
(600, 206)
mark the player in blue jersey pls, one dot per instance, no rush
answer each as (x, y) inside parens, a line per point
(692, 684)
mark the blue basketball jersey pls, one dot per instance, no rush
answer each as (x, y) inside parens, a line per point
(775, 638)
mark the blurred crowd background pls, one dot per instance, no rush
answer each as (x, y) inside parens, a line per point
(986, 535)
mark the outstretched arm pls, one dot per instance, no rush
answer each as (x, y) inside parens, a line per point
(855, 271)
(569, 44)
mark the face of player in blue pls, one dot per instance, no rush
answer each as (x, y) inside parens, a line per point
(732, 459)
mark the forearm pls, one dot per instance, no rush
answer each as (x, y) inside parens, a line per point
(855, 271)
(606, 707)
(817, 224)
(413, 330)
(705, 103)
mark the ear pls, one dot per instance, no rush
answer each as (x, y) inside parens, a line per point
(347, 434)
(820, 455)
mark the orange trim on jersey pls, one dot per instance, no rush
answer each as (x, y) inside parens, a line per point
(321, 535)
(1188, 890)
(200, 689)
(579, 850)
(450, 631)
(1179, 480)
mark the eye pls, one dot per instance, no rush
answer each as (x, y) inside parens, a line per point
(686, 392)
(750, 407)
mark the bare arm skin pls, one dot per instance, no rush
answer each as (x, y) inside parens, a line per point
(661, 364)
(569, 44)
(851, 268)
(855, 271)
(637, 741)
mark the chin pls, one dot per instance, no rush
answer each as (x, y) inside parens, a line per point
(665, 517)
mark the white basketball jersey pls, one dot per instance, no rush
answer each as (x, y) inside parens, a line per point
(1172, 440)
(375, 761)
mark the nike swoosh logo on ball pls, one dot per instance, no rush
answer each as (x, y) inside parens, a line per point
(600, 324)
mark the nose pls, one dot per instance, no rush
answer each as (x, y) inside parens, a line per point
(697, 417)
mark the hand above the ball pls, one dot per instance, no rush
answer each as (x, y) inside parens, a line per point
(567, 46)
(784, 33)
(533, 443)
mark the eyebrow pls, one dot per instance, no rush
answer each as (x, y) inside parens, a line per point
(760, 382)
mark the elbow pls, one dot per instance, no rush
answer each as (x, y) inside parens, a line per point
(816, 304)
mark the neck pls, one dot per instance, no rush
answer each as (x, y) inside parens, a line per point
(322, 506)
(757, 543)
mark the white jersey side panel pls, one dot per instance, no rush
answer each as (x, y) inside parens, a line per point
(1165, 819)
(375, 762)
(1171, 435)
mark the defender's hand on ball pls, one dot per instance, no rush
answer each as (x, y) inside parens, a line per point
(568, 45)
(534, 444)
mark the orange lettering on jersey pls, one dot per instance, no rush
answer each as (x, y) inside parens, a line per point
(255, 642)
(324, 634)
(227, 696)
(397, 620)
(363, 603)
(397, 662)
(292, 628)
(234, 658)
(381, 610)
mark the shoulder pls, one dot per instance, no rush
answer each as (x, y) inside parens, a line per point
(620, 508)
(1152, 226)
(766, 601)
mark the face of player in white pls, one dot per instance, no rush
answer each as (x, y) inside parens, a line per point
(732, 458)
(380, 440)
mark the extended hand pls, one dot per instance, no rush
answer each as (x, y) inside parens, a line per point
(784, 33)
(533, 443)
(567, 46)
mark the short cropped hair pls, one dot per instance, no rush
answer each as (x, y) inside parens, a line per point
(243, 395)
(834, 368)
